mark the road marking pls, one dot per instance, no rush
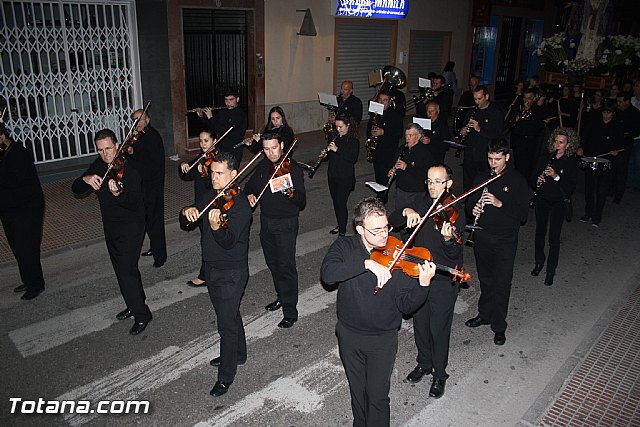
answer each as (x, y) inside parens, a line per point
(305, 391)
(50, 333)
(130, 382)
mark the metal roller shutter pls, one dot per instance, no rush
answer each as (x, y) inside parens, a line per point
(362, 48)
(425, 55)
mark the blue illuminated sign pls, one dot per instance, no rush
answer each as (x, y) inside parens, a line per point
(373, 8)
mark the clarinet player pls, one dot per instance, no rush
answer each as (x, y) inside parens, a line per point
(555, 181)
(500, 211)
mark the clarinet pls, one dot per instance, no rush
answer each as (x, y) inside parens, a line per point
(472, 228)
(463, 137)
(532, 202)
(385, 194)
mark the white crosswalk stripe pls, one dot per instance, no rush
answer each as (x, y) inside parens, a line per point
(50, 333)
(173, 362)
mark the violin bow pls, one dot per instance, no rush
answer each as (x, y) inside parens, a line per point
(466, 193)
(275, 170)
(204, 154)
(417, 228)
(126, 138)
(229, 184)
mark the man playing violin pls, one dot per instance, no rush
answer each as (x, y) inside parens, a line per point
(22, 212)
(146, 154)
(500, 211)
(279, 212)
(368, 324)
(225, 250)
(432, 321)
(123, 220)
(199, 174)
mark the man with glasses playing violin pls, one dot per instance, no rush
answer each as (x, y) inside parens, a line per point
(279, 212)
(225, 251)
(432, 321)
(122, 209)
(368, 323)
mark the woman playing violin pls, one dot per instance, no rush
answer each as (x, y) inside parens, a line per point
(277, 123)
(432, 321)
(201, 183)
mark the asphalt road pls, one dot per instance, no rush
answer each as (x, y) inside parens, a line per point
(67, 345)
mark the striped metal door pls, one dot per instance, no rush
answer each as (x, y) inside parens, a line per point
(69, 69)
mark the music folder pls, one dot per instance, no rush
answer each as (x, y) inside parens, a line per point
(328, 99)
(376, 107)
(378, 188)
(424, 123)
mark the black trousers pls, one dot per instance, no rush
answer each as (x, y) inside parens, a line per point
(495, 256)
(407, 198)
(124, 242)
(202, 274)
(596, 188)
(226, 288)
(340, 189)
(470, 169)
(278, 239)
(24, 234)
(548, 214)
(432, 327)
(154, 219)
(368, 363)
(383, 161)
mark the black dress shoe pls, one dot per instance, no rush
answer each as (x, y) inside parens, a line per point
(273, 306)
(335, 230)
(536, 269)
(21, 288)
(437, 388)
(287, 322)
(416, 375)
(147, 253)
(124, 314)
(499, 338)
(158, 264)
(476, 321)
(138, 327)
(548, 280)
(31, 293)
(216, 361)
(196, 285)
(220, 388)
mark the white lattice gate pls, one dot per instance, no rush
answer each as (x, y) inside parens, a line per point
(69, 69)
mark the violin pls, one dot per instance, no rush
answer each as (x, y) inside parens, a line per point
(448, 214)
(285, 168)
(410, 258)
(225, 203)
(205, 162)
(134, 137)
(117, 171)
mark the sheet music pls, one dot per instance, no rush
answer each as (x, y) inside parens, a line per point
(424, 123)
(378, 188)
(376, 107)
(328, 99)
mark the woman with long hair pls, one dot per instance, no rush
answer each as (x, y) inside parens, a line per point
(277, 123)
(555, 182)
(342, 154)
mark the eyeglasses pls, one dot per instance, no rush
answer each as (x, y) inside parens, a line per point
(436, 181)
(378, 231)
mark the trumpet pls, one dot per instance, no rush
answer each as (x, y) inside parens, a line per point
(427, 95)
(195, 110)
